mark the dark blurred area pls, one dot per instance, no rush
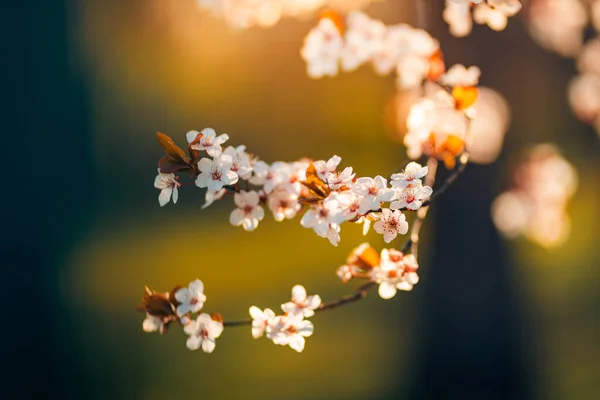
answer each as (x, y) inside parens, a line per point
(90, 82)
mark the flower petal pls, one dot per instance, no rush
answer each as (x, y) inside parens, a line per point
(298, 294)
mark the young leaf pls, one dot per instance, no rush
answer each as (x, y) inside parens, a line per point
(172, 149)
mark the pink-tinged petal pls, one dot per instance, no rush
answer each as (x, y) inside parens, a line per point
(151, 324)
(258, 330)
(208, 133)
(193, 342)
(425, 192)
(306, 312)
(225, 161)
(196, 286)
(164, 196)
(215, 329)
(366, 226)
(258, 213)
(380, 181)
(239, 199)
(269, 314)
(203, 319)
(305, 328)
(208, 345)
(191, 328)
(404, 286)
(214, 150)
(250, 224)
(289, 307)
(237, 217)
(403, 227)
(205, 165)
(230, 178)
(387, 290)
(252, 198)
(256, 313)
(398, 205)
(182, 295)
(297, 343)
(388, 236)
(191, 136)
(412, 278)
(203, 180)
(313, 302)
(221, 139)
(175, 195)
(379, 227)
(298, 294)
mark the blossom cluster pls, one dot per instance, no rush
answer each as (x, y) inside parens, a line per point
(411, 52)
(176, 306)
(438, 122)
(329, 195)
(460, 14)
(266, 13)
(536, 206)
(392, 270)
(290, 328)
(584, 89)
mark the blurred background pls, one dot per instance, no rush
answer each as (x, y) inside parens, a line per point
(90, 82)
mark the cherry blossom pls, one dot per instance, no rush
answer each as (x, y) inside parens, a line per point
(390, 224)
(301, 304)
(283, 204)
(411, 175)
(191, 299)
(339, 180)
(323, 168)
(153, 324)
(203, 332)
(261, 320)
(214, 174)
(168, 184)
(348, 205)
(321, 215)
(411, 197)
(322, 49)
(290, 330)
(249, 212)
(209, 141)
(459, 75)
(240, 161)
(396, 272)
(374, 191)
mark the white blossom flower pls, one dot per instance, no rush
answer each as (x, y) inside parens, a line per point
(209, 141)
(347, 204)
(301, 304)
(323, 168)
(321, 215)
(374, 191)
(495, 13)
(168, 184)
(240, 161)
(212, 196)
(260, 170)
(390, 224)
(459, 75)
(458, 17)
(338, 180)
(260, 320)
(191, 299)
(249, 212)
(322, 49)
(396, 272)
(411, 197)
(290, 330)
(344, 273)
(203, 332)
(332, 234)
(214, 174)
(153, 324)
(411, 175)
(283, 204)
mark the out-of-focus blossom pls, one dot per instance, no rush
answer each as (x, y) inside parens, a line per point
(249, 211)
(397, 271)
(558, 25)
(212, 196)
(459, 75)
(493, 13)
(260, 320)
(322, 49)
(584, 96)
(536, 206)
(283, 204)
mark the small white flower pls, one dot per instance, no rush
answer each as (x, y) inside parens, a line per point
(396, 272)
(249, 212)
(323, 168)
(283, 204)
(345, 273)
(191, 298)
(411, 197)
(290, 330)
(301, 304)
(260, 320)
(346, 206)
(320, 215)
(209, 141)
(167, 183)
(337, 180)
(241, 161)
(212, 196)
(374, 192)
(214, 174)
(153, 324)
(411, 175)
(390, 224)
(203, 332)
